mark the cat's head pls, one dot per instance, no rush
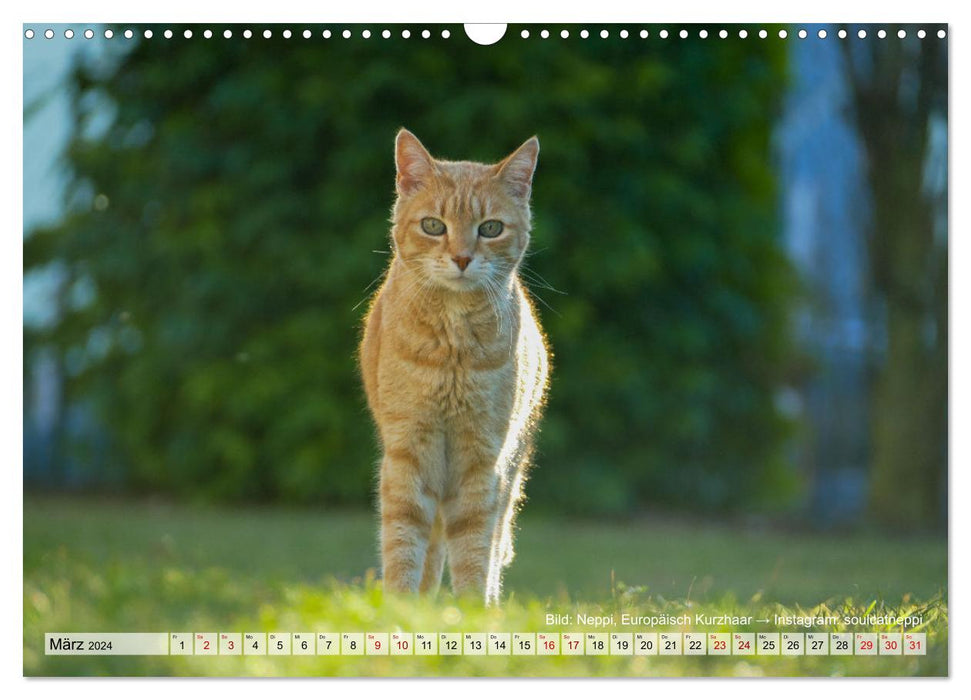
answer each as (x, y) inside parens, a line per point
(462, 225)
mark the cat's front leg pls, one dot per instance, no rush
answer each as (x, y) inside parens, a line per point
(470, 514)
(408, 509)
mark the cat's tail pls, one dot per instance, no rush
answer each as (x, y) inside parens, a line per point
(431, 575)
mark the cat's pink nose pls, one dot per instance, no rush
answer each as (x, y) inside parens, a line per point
(462, 261)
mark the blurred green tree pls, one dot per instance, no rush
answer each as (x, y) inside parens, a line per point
(225, 225)
(899, 106)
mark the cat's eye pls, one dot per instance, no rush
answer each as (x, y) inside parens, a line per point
(433, 226)
(490, 229)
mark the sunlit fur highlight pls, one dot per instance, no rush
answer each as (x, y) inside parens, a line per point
(455, 369)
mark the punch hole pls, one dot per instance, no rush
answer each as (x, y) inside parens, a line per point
(228, 34)
(49, 34)
(485, 34)
(129, 34)
(346, 33)
(841, 33)
(425, 34)
(405, 34)
(882, 34)
(604, 34)
(564, 34)
(247, 34)
(366, 33)
(148, 34)
(783, 33)
(901, 34)
(524, 34)
(207, 34)
(446, 34)
(644, 34)
(624, 34)
(723, 34)
(386, 34)
(763, 34)
(187, 33)
(742, 34)
(108, 33)
(584, 33)
(326, 34)
(941, 34)
(307, 34)
(683, 33)
(68, 33)
(29, 34)
(287, 34)
(545, 34)
(921, 33)
(803, 33)
(821, 33)
(168, 34)
(663, 34)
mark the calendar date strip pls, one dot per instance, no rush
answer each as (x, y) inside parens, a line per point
(646, 643)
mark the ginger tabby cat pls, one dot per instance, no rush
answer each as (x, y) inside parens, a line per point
(455, 369)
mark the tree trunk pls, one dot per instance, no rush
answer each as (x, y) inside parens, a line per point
(909, 269)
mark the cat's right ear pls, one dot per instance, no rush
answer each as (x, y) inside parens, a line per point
(413, 162)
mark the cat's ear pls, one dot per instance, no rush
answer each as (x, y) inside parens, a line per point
(517, 170)
(413, 162)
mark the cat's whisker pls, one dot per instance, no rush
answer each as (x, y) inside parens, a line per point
(370, 284)
(425, 291)
(420, 286)
(541, 300)
(490, 297)
(529, 280)
(493, 296)
(531, 276)
(539, 280)
(418, 289)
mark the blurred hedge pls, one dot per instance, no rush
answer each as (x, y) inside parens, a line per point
(224, 225)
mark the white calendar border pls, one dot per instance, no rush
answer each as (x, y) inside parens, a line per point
(764, 11)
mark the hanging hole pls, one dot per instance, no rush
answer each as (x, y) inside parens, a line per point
(485, 34)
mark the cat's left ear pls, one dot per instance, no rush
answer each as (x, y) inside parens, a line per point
(517, 170)
(413, 163)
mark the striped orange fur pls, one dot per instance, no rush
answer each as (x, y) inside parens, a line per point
(455, 369)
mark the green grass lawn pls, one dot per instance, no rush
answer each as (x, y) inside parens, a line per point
(115, 566)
